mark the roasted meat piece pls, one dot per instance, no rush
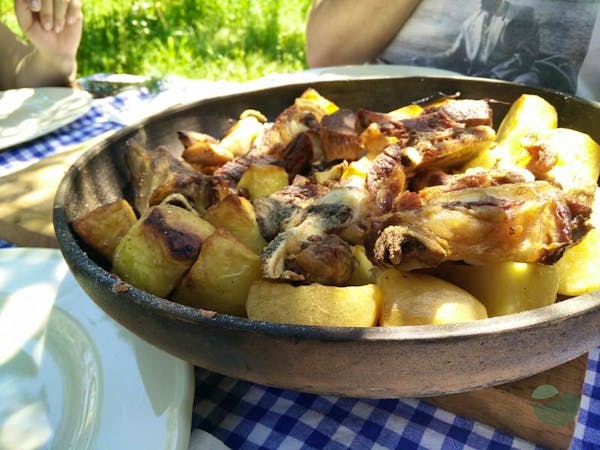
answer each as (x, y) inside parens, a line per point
(340, 136)
(304, 115)
(386, 179)
(156, 174)
(335, 210)
(286, 208)
(322, 259)
(469, 112)
(520, 222)
(432, 182)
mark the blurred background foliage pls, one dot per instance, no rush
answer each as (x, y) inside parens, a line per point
(213, 39)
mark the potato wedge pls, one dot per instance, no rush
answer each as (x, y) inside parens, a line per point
(220, 278)
(203, 150)
(239, 138)
(236, 215)
(261, 180)
(411, 298)
(160, 247)
(314, 304)
(312, 100)
(374, 141)
(508, 287)
(528, 114)
(104, 227)
(576, 162)
(578, 266)
(406, 112)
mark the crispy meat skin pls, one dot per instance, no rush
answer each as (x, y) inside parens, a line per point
(311, 226)
(285, 208)
(432, 182)
(467, 111)
(322, 259)
(443, 136)
(339, 136)
(386, 179)
(156, 174)
(521, 222)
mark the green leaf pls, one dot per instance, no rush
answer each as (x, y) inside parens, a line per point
(544, 392)
(559, 412)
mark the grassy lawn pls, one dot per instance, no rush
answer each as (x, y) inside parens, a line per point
(213, 39)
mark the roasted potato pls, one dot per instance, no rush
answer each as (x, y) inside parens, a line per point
(411, 298)
(160, 248)
(261, 180)
(104, 227)
(406, 112)
(236, 215)
(220, 278)
(577, 268)
(314, 304)
(528, 114)
(506, 288)
(239, 138)
(567, 157)
(363, 272)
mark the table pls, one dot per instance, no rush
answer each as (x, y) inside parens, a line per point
(251, 416)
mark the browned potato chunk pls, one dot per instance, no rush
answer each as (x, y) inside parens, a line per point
(160, 248)
(220, 278)
(204, 150)
(104, 227)
(239, 138)
(314, 304)
(236, 215)
(261, 180)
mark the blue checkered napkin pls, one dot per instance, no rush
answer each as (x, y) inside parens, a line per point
(250, 416)
(95, 122)
(587, 428)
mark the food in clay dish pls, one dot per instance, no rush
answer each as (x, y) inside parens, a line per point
(328, 216)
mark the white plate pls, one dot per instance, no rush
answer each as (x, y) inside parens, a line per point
(71, 377)
(378, 70)
(28, 113)
(350, 71)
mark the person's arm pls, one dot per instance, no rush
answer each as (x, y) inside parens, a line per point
(53, 28)
(352, 31)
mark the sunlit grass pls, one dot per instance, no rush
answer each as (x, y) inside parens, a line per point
(225, 39)
(228, 39)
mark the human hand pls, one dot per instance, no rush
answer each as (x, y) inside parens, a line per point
(52, 26)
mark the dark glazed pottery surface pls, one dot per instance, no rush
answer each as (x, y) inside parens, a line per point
(371, 362)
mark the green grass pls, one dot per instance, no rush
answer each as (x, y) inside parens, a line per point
(211, 39)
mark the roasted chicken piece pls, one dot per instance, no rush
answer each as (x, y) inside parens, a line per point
(286, 208)
(324, 259)
(431, 183)
(520, 222)
(206, 153)
(304, 115)
(386, 179)
(335, 210)
(443, 136)
(156, 174)
(340, 138)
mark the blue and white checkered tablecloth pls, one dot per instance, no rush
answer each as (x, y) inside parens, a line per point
(246, 415)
